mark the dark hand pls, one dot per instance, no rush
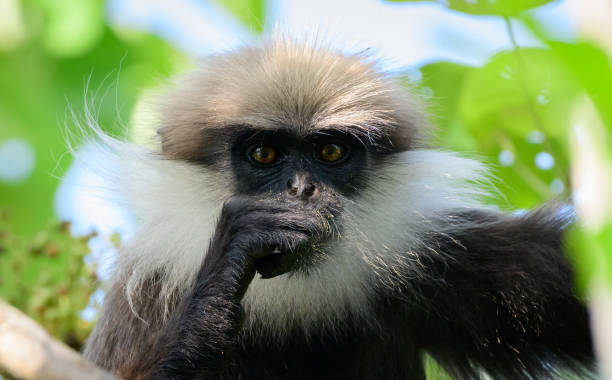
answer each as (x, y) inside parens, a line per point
(266, 235)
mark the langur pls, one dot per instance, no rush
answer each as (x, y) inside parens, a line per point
(296, 223)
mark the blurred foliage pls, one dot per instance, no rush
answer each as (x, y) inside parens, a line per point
(487, 7)
(68, 28)
(45, 276)
(251, 13)
(592, 67)
(68, 48)
(516, 108)
(591, 250)
(433, 370)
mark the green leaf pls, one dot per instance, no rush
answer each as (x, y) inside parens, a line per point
(591, 251)
(519, 93)
(589, 64)
(593, 69)
(486, 7)
(509, 98)
(445, 81)
(251, 13)
(433, 371)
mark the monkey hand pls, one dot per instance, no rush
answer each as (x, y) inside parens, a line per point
(268, 235)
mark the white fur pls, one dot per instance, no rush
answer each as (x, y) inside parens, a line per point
(178, 203)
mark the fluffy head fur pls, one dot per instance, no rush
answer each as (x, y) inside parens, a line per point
(287, 85)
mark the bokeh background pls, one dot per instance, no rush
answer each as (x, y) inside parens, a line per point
(525, 85)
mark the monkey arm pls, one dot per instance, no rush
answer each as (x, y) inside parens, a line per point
(501, 297)
(198, 342)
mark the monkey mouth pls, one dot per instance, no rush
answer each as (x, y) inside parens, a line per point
(277, 262)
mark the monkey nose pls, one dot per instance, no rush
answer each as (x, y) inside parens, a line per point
(302, 187)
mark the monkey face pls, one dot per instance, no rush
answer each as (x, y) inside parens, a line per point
(303, 127)
(311, 168)
(310, 174)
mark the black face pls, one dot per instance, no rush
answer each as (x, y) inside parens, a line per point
(324, 163)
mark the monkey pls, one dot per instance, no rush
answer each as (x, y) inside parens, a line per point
(296, 222)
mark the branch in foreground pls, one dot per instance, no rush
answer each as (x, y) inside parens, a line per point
(27, 351)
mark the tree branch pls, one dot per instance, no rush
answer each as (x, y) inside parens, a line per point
(27, 351)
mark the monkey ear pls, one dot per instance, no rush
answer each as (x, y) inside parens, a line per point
(410, 135)
(165, 139)
(410, 132)
(401, 138)
(182, 142)
(163, 134)
(411, 129)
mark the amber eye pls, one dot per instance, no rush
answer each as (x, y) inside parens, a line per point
(264, 155)
(331, 152)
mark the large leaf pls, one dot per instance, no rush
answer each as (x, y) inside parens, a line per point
(593, 69)
(487, 7)
(588, 63)
(519, 93)
(513, 112)
(509, 99)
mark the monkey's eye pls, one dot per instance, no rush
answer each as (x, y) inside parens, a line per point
(263, 154)
(331, 153)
